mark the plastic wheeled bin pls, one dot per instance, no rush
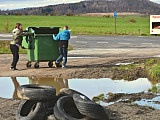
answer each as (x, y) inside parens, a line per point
(40, 45)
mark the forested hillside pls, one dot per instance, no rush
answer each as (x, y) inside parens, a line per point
(92, 6)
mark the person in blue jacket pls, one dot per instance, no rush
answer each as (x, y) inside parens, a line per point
(63, 38)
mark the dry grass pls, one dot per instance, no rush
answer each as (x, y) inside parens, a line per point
(110, 14)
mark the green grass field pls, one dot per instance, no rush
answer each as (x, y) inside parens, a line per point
(79, 25)
(82, 25)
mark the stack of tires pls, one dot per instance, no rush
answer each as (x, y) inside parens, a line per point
(40, 102)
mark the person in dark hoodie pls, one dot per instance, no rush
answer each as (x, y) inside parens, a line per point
(15, 44)
(63, 38)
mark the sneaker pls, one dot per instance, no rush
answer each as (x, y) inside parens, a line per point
(64, 66)
(55, 64)
(13, 68)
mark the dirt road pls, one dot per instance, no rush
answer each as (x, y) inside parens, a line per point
(79, 68)
(89, 63)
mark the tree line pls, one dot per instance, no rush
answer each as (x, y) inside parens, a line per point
(91, 6)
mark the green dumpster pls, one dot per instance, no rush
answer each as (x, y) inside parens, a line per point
(40, 45)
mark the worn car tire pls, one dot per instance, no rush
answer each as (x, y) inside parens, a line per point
(51, 117)
(89, 108)
(65, 109)
(31, 110)
(36, 92)
(50, 114)
(70, 92)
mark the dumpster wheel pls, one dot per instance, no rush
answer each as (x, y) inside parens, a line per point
(28, 64)
(36, 65)
(50, 64)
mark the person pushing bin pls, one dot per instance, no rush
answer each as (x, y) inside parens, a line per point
(63, 38)
(40, 45)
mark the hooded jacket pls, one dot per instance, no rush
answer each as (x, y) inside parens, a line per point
(63, 38)
(63, 35)
(17, 37)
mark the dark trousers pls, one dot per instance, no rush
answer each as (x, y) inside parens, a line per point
(63, 55)
(15, 52)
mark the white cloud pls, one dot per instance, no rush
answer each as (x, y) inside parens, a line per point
(15, 4)
(156, 1)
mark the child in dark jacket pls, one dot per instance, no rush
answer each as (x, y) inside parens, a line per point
(15, 44)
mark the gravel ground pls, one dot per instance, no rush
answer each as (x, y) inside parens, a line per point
(80, 68)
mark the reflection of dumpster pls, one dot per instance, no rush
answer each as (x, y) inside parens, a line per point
(40, 45)
(57, 83)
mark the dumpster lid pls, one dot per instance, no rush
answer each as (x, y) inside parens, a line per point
(44, 30)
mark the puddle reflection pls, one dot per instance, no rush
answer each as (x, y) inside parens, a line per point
(150, 102)
(8, 86)
(58, 83)
(89, 87)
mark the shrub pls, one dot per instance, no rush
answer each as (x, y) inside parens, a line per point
(132, 20)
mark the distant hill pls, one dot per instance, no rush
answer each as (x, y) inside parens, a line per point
(93, 6)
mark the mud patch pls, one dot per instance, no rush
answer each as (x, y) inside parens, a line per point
(84, 68)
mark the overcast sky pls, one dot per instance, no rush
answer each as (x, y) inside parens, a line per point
(15, 4)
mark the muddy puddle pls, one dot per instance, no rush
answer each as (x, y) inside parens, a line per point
(89, 87)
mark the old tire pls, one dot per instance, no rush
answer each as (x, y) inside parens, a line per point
(70, 92)
(51, 117)
(49, 114)
(31, 110)
(36, 92)
(89, 108)
(65, 109)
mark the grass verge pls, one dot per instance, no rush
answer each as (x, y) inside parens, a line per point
(5, 48)
(149, 68)
(83, 25)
